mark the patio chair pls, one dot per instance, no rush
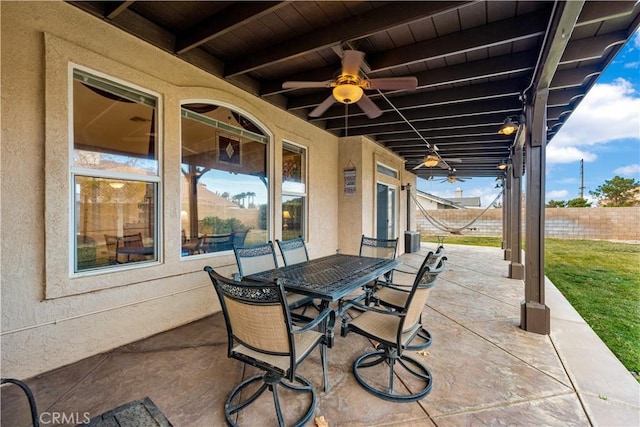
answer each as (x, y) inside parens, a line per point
(294, 251)
(394, 331)
(35, 419)
(257, 258)
(377, 248)
(393, 296)
(261, 334)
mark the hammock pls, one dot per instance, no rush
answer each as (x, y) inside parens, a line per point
(444, 227)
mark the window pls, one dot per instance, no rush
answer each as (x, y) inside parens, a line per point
(385, 170)
(294, 191)
(115, 174)
(225, 190)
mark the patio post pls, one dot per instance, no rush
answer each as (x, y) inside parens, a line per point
(535, 316)
(506, 217)
(516, 268)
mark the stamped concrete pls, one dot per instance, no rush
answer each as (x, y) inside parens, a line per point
(486, 370)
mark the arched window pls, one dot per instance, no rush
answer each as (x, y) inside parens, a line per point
(225, 192)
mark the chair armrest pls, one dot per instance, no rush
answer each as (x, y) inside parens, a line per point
(363, 307)
(316, 321)
(328, 333)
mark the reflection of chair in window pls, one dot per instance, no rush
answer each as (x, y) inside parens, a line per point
(132, 242)
(112, 245)
(216, 242)
(261, 334)
(238, 237)
(394, 332)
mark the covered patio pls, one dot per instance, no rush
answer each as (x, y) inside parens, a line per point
(73, 330)
(487, 371)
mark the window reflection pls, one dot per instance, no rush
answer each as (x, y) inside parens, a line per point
(294, 178)
(224, 186)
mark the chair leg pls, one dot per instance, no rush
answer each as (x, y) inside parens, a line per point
(392, 358)
(271, 382)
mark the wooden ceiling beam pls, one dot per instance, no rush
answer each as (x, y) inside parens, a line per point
(229, 19)
(356, 27)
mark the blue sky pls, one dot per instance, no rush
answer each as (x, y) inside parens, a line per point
(604, 131)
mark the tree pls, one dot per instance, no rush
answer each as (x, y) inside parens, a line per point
(556, 204)
(617, 192)
(578, 202)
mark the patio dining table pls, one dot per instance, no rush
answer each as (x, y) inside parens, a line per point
(329, 278)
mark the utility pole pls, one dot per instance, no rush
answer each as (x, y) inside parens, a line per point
(582, 179)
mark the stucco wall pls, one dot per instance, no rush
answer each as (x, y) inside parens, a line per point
(565, 223)
(50, 319)
(357, 212)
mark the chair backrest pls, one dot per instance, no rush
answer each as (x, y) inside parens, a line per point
(378, 248)
(255, 258)
(424, 281)
(112, 243)
(257, 317)
(433, 258)
(294, 251)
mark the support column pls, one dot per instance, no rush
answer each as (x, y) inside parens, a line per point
(516, 268)
(535, 316)
(506, 217)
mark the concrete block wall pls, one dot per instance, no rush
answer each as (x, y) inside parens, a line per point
(563, 223)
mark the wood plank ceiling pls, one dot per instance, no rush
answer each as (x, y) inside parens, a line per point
(474, 61)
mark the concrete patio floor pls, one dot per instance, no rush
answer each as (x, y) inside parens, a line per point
(486, 370)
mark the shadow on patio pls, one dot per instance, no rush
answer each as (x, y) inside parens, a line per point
(486, 369)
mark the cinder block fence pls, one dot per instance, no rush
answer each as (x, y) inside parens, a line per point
(563, 223)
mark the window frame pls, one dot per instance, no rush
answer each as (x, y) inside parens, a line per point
(73, 172)
(305, 181)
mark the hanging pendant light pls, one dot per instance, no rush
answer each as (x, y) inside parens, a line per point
(508, 127)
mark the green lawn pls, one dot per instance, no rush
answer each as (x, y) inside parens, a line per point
(600, 279)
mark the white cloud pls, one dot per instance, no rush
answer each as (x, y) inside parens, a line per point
(557, 195)
(628, 170)
(557, 154)
(609, 112)
(636, 39)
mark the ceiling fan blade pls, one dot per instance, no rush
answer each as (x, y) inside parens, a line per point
(393, 83)
(459, 179)
(368, 107)
(442, 165)
(305, 85)
(418, 167)
(453, 160)
(322, 107)
(351, 62)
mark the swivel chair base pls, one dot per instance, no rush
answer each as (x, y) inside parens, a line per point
(390, 356)
(271, 382)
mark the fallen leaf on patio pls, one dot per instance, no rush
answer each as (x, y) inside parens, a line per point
(321, 422)
(424, 353)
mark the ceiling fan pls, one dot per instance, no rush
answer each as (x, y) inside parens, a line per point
(431, 160)
(452, 177)
(349, 85)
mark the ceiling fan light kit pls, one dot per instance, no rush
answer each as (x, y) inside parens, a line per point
(431, 161)
(347, 93)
